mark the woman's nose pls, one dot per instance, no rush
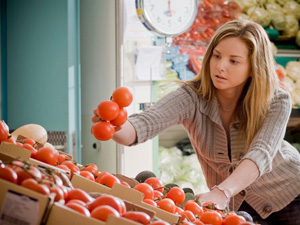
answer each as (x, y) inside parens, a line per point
(221, 65)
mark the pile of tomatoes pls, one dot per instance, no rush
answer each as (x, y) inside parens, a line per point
(112, 113)
(173, 200)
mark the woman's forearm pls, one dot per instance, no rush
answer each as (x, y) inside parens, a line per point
(244, 175)
(126, 135)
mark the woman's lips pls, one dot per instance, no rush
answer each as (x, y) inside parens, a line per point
(220, 77)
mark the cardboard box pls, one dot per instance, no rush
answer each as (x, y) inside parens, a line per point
(15, 151)
(19, 205)
(61, 214)
(123, 192)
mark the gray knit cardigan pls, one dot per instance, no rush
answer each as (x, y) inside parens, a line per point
(278, 162)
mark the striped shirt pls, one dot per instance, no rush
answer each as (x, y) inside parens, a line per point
(278, 161)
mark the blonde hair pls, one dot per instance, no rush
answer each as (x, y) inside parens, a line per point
(259, 90)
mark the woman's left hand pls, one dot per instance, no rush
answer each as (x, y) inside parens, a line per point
(216, 196)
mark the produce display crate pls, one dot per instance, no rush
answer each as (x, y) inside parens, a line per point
(123, 192)
(61, 214)
(17, 202)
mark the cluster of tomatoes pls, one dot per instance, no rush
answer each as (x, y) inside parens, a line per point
(173, 200)
(112, 113)
(31, 177)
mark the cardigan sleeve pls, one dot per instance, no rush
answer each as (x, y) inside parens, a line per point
(172, 109)
(268, 139)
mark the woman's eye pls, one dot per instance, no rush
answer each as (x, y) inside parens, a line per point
(216, 56)
(234, 62)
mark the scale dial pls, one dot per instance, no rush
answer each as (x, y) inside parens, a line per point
(167, 17)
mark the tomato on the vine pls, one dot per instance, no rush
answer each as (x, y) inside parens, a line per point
(167, 205)
(137, 216)
(109, 180)
(194, 207)
(30, 148)
(80, 194)
(8, 174)
(47, 155)
(187, 214)
(155, 183)
(106, 199)
(122, 96)
(93, 168)
(150, 201)
(103, 131)
(211, 217)
(72, 167)
(4, 132)
(103, 212)
(108, 110)
(29, 141)
(146, 189)
(79, 208)
(32, 184)
(176, 194)
(233, 220)
(120, 119)
(27, 171)
(87, 175)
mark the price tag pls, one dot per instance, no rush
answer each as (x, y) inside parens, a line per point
(19, 209)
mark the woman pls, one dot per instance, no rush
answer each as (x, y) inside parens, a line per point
(236, 116)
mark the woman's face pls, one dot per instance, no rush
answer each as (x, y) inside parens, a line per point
(230, 65)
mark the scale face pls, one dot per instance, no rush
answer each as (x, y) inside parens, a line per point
(167, 17)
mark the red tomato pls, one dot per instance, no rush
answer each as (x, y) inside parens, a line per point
(150, 201)
(93, 168)
(137, 216)
(103, 212)
(187, 214)
(4, 133)
(100, 175)
(103, 131)
(176, 194)
(155, 183)
(47, 155)
(55, 179)
(167, 205)
(27, 172)
(233, 220)
(87, 175)
(120, 119)
(59, 194)
(72, 167)
(77, 201)
(80, 194)
(8, 174)
(122, 96)
(193, 207)
(106, 199)
(109, 180)
(32, 184)
(30, 148)
(79, 208)
(125, 184)
(158, 194)
(211, 217)
(146, 189)
(62, 157)
(29, 141)
(108, 110)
